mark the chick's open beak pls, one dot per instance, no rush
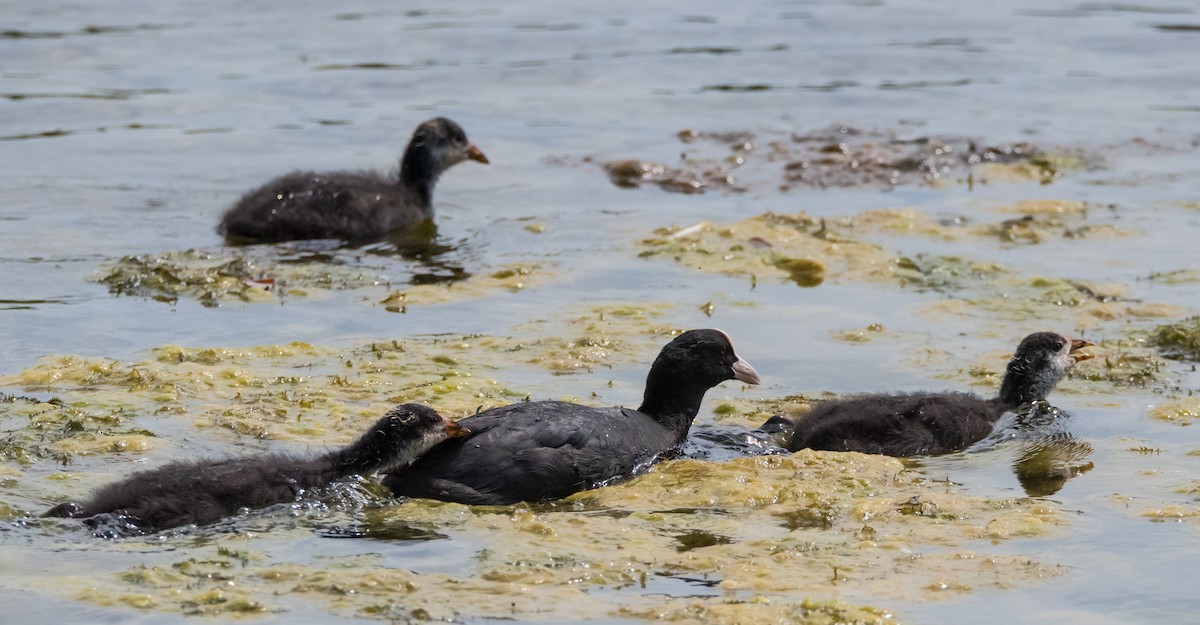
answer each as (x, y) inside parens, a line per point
(476, 154)
(454, 430)
(1080, 344)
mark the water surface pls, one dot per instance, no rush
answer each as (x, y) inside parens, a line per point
(128, 128)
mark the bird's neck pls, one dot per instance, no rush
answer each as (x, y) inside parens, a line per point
(1021, 386)
(672, 402)
(369, 454)
(418, 174)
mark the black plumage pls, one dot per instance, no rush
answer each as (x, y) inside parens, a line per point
(544, 450)
(204, 491)
(352, 206)
(912, 424)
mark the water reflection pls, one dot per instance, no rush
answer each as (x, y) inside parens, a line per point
(1043, 468)
(437, 256)
(724, 442)
(381, 529)
(1045, 454)
(697, 539)
(682, 586)
(809, 517)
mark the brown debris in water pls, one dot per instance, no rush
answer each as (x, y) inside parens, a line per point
(842, 156)
(635, 173)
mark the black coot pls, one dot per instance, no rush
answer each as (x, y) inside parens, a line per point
(545, 450)
(911, 424)
(205, 491)
(353, 206)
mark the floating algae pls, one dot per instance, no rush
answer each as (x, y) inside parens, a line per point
(57, 432)
(1047, 220)
(512, 278)
(945, 273)
(1117, 365)
(1053, 302)
(607, 335)
(865, 335)
(1180, 340)
(811, 251)
(1172, 512)
(561, 561)
(758, 528)
(794, 247)
(1047, 207)
(1185, 411)
(1171, 504)
(838, 249)
(1178, 276)
(1040, 221)
(215, 277)
(760, 610)
(803, 271)
(245, 275)
(302, 391)
(751, 412)
(209, 278)
(1123, 363)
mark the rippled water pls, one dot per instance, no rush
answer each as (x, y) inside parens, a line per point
(128, 127)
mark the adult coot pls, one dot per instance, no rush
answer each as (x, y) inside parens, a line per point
(911, 424)
(544, 450)
(354, 206)
(204, 491)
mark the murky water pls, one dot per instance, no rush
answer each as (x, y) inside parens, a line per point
(129, 127)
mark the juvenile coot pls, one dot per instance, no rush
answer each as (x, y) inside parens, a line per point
(205, 491)
(544, 450)
(911, 424)
(353, 206)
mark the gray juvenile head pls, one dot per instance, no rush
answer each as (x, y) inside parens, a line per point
(401, 436)
(1041, 360)
(436, 145)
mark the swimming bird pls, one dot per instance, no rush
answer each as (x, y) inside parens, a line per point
(543, 450)
(912, 424)
(352, 206)
(204, 491)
